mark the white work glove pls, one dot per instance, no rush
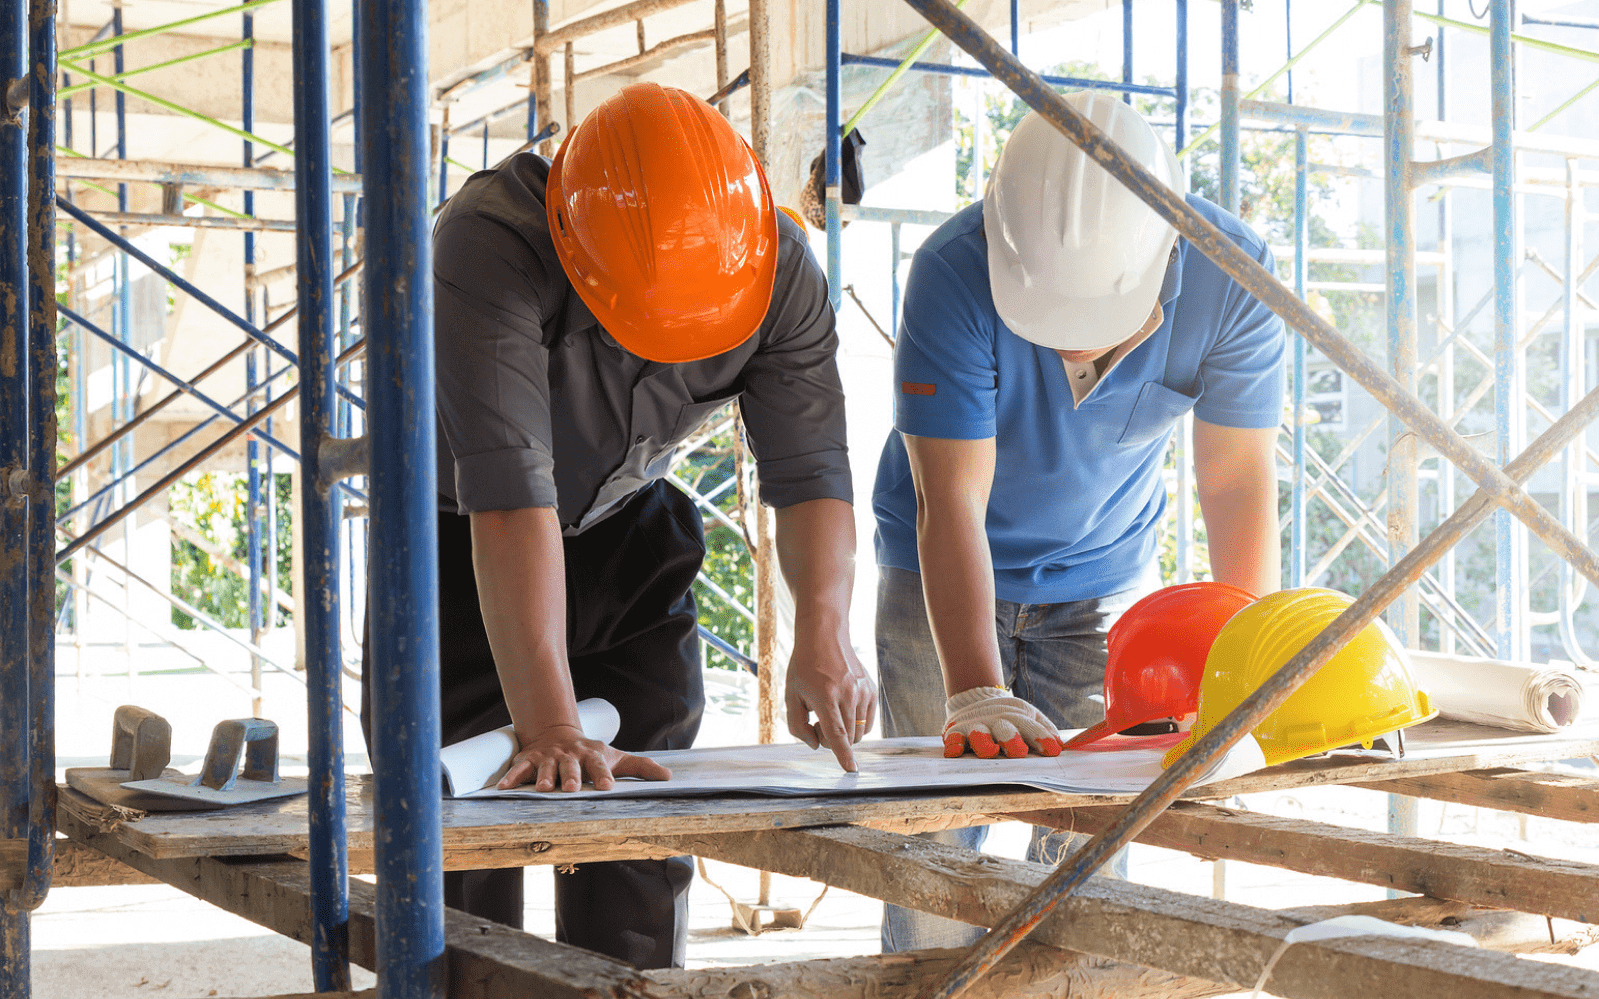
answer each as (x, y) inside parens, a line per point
(990, 719)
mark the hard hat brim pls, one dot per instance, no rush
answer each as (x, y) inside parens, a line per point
(1054, 318)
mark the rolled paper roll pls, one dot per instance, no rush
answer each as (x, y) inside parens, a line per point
(1527, 697)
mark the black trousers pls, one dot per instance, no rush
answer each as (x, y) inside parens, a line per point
(631, 639)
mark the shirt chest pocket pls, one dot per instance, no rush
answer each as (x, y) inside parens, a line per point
(692, 415)
(1156, 411)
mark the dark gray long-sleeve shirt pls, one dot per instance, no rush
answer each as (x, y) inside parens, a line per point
(539, 407)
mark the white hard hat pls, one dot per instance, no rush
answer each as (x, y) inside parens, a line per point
(1075, 260)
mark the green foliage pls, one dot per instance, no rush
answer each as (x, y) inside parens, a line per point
(727, 558)
(215, 504)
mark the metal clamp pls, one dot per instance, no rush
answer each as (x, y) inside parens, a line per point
(15, 101)
(340, 458)
(255, 739)
(14, 485)
(141, 742)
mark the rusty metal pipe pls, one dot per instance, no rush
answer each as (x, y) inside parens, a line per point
(1258, 281)
(1210, 748)
(98, 447)
(254, 419)
(1496, 487)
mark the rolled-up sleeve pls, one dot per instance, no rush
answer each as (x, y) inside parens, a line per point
(493, 393)
(792, 400)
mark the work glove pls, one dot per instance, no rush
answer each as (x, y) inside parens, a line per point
(990, 719)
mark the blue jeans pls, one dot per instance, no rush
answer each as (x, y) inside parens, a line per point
(1053, 656)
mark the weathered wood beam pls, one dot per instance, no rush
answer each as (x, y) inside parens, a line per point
(1551, 796)
(486, 960)
(532, 854)
(489, 961)
(363, 994)
(13, 863)
(1031, 971)
(1203, 938)
(80, 866)
(1501, 879)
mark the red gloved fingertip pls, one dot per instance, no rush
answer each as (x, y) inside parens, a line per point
(954, 745)
(1015, 747)
(983, 745)
(1049, 747)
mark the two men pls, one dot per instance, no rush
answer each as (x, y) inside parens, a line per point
(1053, 335)
(590, 313)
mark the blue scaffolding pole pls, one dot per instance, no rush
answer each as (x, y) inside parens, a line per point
(1399, 210)
(1297, 501)
(1229, 105)
(404, 646)
(832, 150)
(27, 463)
(320, 505)
(15, 706)
(1509, 540)
(252, 508)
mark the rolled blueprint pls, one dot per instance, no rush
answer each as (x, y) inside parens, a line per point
(483, 759)
(1527, 697)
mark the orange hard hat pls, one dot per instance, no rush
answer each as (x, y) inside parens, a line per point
(664, 223)
(1157, 655)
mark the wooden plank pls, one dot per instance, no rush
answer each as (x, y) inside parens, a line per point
(1551, 796)
(1501, 879)
(363, 994)
(81, 866)
(489, 961)
(1031, 971)
(280, 827)
(13, 864)
(486, 960)
(1136, 924)
(540, 853)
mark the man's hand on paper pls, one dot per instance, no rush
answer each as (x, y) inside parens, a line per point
(559, 757)
(826, 679)
(991, 720)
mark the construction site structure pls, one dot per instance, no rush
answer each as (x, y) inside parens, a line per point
(354, 130)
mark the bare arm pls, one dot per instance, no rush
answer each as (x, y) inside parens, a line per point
(953, 479)
(1235, 472)
(521, 579)
(816, 549)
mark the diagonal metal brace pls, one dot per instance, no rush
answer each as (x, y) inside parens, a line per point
(1496, 487)
(1258, 281)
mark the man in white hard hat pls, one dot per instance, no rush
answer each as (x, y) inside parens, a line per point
(1053, 336)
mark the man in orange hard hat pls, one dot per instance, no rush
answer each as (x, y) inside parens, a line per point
(591, 312)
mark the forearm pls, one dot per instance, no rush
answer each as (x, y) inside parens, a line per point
(521, 581)
(816, 551)
(958, 586)
(1244, 549)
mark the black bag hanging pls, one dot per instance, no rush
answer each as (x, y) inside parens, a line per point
(852, 180)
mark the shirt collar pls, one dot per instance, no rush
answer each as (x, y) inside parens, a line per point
(1172, 285)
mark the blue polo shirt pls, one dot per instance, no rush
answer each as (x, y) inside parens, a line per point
(1077, 492)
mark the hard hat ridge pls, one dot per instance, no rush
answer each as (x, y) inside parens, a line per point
(664, 222)
(1076, 260)
(1365, 691)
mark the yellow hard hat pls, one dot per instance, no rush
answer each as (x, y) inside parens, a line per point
(1365, 691)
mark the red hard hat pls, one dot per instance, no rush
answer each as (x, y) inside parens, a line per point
(1157, 655)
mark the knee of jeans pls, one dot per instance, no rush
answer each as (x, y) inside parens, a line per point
(1051, 847)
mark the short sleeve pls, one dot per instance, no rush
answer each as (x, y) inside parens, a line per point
(492, 366)
(792, 400)
(1242, 375)
(945, 373)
